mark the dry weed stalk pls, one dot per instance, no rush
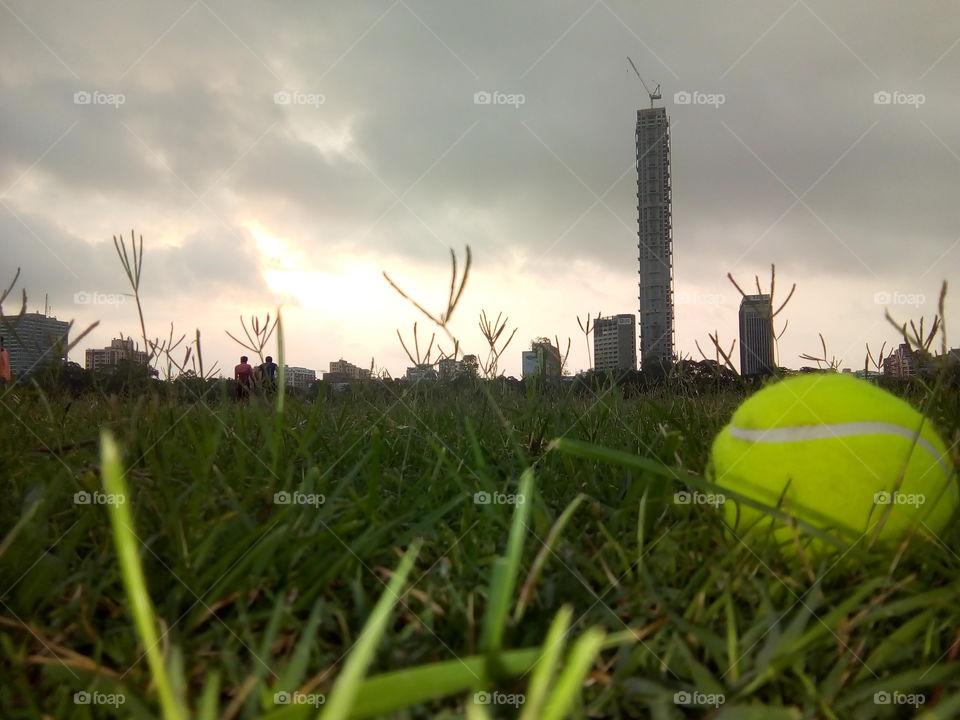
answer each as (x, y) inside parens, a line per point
(492, 331)
(587, 328)
(259, 337)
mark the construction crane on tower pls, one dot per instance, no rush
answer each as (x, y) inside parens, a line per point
(655, 95)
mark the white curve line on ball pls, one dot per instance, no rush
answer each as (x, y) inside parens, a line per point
(798, 433)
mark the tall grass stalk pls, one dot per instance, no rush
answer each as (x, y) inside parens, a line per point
(127, 545)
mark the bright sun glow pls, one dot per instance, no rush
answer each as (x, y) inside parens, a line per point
(350, 283)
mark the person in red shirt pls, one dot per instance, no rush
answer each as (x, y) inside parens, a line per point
(5, 376)
(243, 375)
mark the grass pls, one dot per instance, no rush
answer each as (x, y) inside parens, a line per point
(397, 594)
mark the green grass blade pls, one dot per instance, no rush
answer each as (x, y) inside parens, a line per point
(22, 522)
(527, 590)
(210, 698)
(282, 358)
(347, 687)
(589, 451)
(758, 712)
(387, 693)
(947, 709)
(546, 665)
(296, 669)
(507, 568)
(579, 661)
(134, 583)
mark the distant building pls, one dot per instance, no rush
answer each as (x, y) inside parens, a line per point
(342, 371)
(863, 374)
(421, 372)
(299, 378)
(39, 340)
(529, 365)
(449, 368)
(615, 343)
(120, 349)
(543, 358)
(756, 335)
(655, 235)
(901, 363)
(904, 362)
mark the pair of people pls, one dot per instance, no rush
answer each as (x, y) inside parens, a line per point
(246, 377)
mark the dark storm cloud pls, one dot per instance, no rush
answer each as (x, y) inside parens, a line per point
(59, 264)
(550, 179)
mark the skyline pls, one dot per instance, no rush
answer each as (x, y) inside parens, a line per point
(364, 165)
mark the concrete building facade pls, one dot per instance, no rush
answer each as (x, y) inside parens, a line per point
(120, 349)
(655, 244)
(756, 335)
(425, 372)
(343, 371)
(39, 340)
(906, 363)
(299, 378)
(615, 343)
(901, 363)
(449, 368)
(541, 359)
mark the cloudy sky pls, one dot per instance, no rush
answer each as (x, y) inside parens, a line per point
(291, 152)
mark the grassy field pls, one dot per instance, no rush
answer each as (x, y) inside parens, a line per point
(332, 553)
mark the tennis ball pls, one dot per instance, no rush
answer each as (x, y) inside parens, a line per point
(830, 450)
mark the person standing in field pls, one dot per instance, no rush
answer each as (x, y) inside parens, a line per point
(243, 375)
(5, 375)
(268, 374)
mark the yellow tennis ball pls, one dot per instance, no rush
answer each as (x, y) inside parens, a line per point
(838, 453)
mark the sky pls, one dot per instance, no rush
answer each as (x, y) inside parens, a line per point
(289, 153)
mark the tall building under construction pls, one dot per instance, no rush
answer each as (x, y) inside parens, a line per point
(756, 335)
(654, 209)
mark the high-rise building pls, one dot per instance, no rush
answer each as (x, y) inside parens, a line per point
(39, 340)
(120, 349)
(654, 215)
(615, 343)
(756, 335)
